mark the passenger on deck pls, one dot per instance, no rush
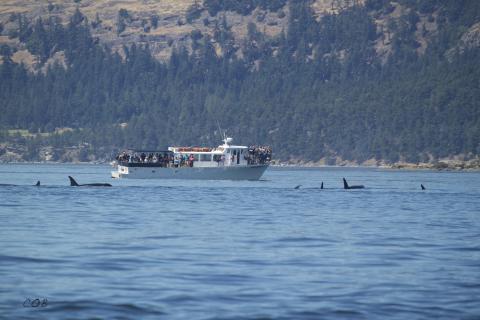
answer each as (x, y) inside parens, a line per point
(176, 160)
(191, 159)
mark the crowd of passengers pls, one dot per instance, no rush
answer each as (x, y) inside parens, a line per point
(255, 155)
(259, 155)
(161, 159)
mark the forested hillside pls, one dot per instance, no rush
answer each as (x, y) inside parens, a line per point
(377, 80)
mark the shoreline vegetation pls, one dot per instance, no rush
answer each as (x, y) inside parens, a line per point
(396, 166)
(440, 165)
(12, 151)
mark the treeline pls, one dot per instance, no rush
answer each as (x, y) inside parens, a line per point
(317, 90)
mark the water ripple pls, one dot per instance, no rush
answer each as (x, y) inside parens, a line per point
(241, 250)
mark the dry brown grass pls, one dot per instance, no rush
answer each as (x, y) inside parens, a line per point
(25, 57)
(168, 34)
(91, 7)
(322, 7)
(168, 11)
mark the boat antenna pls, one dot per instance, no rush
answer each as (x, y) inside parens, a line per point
(222, 134)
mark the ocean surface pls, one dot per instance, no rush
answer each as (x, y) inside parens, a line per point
(240, 250)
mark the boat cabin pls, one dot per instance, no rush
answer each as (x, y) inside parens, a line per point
(223, 155)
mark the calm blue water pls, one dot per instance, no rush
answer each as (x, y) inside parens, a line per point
(240, 250)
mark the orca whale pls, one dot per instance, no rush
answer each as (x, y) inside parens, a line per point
(11, 185)
(346, 186)
(423, 188)
(321, 186)
(298, 187)
(74, 183)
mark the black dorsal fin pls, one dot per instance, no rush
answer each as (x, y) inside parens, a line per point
(73, 183)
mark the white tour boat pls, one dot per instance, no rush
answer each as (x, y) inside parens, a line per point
(226, 162)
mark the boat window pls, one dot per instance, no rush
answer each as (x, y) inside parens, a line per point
(205, 157)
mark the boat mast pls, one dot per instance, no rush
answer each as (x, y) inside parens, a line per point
(223, 134)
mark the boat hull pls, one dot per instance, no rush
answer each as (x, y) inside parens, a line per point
(250, 172)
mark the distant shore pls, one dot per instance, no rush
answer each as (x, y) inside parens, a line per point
(441, 165)
(449, 165)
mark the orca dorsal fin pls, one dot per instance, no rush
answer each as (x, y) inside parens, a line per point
(37, 184)
(321, 186)
(421, 185)
(298, 186)
(345, 184)
(73, 183)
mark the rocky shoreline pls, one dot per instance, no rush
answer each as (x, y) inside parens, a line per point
(443, 164)
(440, 166)
(80, 155)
